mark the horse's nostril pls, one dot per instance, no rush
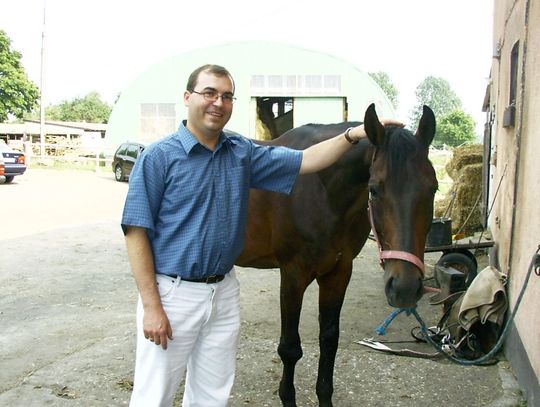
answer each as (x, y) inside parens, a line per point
(403, 292)
(391, 291)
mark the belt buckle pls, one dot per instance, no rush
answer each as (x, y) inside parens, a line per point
(212, 279)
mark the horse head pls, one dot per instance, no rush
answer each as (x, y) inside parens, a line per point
(402, 188)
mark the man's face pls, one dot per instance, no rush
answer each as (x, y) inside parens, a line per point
(206, 116)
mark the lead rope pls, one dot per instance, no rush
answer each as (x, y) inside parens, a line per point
(483, 360)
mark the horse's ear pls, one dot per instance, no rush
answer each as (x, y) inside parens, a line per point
(426, 127)
(373, 127)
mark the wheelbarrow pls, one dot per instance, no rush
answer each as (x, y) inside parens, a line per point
(457, 267)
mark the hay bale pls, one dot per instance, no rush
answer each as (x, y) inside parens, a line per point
(441, 206)
(468, 188)
(261, 131)
(465, 169)
(463, 156)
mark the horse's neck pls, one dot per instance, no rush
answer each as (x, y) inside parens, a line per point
(346, 180)
(355, 163)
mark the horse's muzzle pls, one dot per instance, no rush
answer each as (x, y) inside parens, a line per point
(403, 288)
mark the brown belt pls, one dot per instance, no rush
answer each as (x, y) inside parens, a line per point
(207, 280)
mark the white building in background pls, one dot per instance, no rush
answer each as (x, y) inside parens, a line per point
(278, 87)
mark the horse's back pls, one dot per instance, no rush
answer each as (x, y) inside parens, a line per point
(307, 135)
(284, 226)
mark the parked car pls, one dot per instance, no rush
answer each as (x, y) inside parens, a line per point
(14, 162)
(124, 159)
(2, 171)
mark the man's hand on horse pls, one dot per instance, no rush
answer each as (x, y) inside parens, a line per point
(358, 132)
(392, 122)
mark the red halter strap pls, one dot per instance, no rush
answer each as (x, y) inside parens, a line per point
(393, 254)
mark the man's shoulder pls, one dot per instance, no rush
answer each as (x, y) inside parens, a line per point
(235, 137)
(165, 144)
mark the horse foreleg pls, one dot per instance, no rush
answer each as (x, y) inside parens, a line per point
(290, 349)
(332, 287)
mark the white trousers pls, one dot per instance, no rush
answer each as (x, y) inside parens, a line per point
(205, 321)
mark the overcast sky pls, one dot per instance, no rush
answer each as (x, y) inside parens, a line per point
(103, 45)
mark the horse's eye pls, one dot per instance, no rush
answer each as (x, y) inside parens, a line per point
(374, 191)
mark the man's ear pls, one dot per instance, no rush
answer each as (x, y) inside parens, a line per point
(187, 94)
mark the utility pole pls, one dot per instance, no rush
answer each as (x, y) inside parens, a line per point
(42, 91)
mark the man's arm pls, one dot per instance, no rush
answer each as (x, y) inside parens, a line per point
(322, 155)
(156, 324)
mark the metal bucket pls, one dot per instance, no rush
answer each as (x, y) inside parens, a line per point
(440, 233)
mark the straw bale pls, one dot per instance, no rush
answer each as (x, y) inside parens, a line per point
(468, 187)
(441, 206)
(465, 169)
(262, 131)
(463, 156)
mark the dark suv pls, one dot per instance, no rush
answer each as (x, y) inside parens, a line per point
(124, 159)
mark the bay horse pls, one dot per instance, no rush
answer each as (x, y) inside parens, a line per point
(317, 231)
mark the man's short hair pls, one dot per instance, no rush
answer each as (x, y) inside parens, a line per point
(217, 70)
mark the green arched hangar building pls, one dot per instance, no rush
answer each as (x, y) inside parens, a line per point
(278, 87)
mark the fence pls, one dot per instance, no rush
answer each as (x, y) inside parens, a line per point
(55, 152)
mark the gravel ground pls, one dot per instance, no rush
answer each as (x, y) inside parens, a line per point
(68, 303)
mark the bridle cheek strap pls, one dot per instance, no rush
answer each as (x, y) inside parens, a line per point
(393, 254)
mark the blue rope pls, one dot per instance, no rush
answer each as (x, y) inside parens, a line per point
(381, 329)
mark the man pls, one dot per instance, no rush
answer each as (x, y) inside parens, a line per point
(184, 222)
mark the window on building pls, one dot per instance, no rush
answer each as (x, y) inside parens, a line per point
(157, 120)
(295, 85)
(509, 116)
(514, 73)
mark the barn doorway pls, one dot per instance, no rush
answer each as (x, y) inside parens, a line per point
(274, 116)
(277, 114)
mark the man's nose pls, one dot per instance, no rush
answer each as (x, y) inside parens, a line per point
(218, 101)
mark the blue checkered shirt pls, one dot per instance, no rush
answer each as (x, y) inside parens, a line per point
(193, 201)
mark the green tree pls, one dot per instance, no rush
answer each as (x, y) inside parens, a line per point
(388, 87)
(437, 94)
(18, 94)
(454, 129)
(90, 109)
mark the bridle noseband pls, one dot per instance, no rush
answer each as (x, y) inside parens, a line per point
(393, 254)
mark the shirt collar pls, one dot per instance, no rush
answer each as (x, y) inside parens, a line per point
(189, 141)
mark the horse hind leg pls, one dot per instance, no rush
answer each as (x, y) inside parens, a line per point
(290, 349)
(332, 287)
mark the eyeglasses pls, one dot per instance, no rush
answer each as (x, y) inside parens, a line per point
(213, 96)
